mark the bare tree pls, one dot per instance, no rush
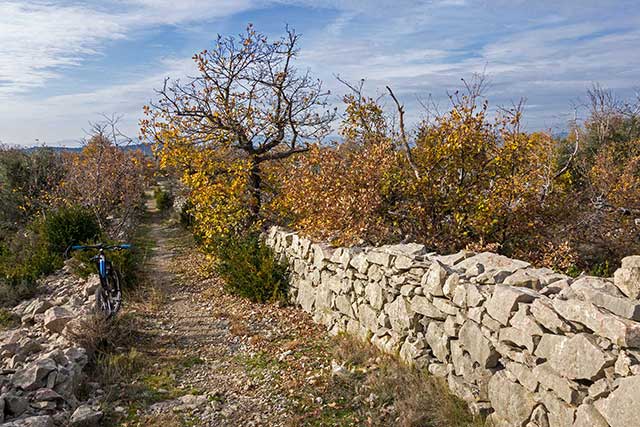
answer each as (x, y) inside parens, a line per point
(248, 97)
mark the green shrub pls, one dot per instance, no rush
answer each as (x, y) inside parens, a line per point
(250, 270)
(69, 225)
(163, 198)
(37, 250)
(124, 261)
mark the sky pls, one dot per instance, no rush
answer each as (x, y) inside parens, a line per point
(65, 63)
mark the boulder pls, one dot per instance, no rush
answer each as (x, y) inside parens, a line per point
(438, 341)
(34, 375)
(542, 310)
(421, 305)
(85, 416)
(36, 421)
(400, 314)
(492, 261)
(580, 357)
(622, 332)
(524, 374)
(525, 322)
(373, 291)
(622, 407)
(552, 380)
(628, 281)
(306, 295)
(434, 279)
(15, 405)
(548, 345)
(343, 305)
(588, 416)
(477, 345)
(92, 283)
(505, 299)
(379, 257)
(560, 413)
(603, 293)
(524, 278)
(56, 318)
(516, 337)
(511, 401)
(473, 297)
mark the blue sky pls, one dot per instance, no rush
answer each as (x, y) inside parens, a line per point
(64, 63)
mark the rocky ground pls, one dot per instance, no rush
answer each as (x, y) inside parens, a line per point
(42, 367)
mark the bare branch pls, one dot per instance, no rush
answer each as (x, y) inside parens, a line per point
(403, 134)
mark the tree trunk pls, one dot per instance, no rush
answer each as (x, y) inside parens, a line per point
(255, 186)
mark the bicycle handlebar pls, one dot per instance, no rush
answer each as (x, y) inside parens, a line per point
(98, 246)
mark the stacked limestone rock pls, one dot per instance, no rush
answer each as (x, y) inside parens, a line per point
(41, 367)
(528, 346)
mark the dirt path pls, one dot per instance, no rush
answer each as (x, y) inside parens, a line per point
(219, 360)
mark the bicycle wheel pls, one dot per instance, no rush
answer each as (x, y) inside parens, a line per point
(109, 295)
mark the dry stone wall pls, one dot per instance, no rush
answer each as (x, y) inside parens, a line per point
(527, 346)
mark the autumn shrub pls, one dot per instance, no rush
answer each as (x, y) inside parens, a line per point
(250, 269)
(107, 180)
(26, 181)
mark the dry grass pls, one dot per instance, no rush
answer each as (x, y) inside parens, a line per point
(98, 335)
(377, 390)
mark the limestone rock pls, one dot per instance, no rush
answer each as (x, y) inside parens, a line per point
(560, 414)
(360, 262)
(400, 314)
(438, 341)
(33, 376)
(604, 294)
(479, 347)
(306, 295)
(451, 284)
(525, 322)
(421, 305)
(580, 357)
(549, 344)
(524, 374)
(56, 318)
(622, 332)
(542, 310)
(588, 416)
(373, 291)
(505, 299)
(434, 279)
(454, 259)
(622, 407)
(379, 258)
(511, 401)
(35, 421)
(492, 261)
(474, 297)
(517, 337)
(523, 278)
(628, 281)
(85, 416)
(550, 379)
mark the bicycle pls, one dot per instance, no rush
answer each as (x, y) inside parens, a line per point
(109, 293)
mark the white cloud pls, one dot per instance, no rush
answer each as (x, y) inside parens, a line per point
(36, 39)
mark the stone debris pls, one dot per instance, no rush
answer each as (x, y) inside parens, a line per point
(42, 366)
(527, 346)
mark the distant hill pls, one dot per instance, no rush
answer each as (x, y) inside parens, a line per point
(145, 148)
